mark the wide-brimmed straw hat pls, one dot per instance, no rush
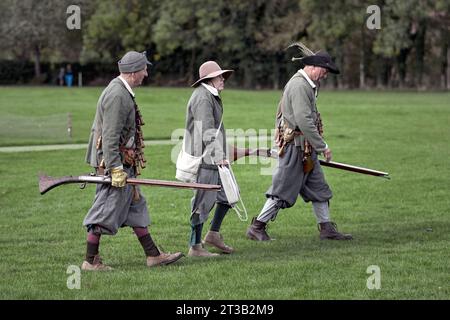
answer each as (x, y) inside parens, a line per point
(209, 70)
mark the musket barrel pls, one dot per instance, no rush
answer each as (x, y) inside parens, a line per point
(153, 182)
(348, 167)
(174, 184)
(274, 154)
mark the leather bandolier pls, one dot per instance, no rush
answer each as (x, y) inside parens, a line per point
(285, 135)
(139, 159)
(134, 156)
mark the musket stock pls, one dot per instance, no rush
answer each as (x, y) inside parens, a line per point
(47, 183)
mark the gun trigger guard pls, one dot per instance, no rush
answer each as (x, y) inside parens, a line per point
(83, 185)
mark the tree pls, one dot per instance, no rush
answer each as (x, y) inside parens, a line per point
(210, 29)
(177, 33)
(403, 32)
(31, 29)
(334, 26)
(119, 26)
(439, 17)
(282, 23)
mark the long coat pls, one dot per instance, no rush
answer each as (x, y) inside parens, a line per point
(300, 111)
(203, 116)
(115, 123)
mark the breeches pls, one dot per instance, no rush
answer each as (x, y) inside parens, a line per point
(289, 181)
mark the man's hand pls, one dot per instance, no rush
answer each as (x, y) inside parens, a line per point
(223, 163)
(327, 154)
(118, 177)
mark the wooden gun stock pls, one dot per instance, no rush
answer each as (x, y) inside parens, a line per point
(47, 183)
(245, 152)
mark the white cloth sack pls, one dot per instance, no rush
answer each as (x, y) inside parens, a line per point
(231, 189)
(188, 165)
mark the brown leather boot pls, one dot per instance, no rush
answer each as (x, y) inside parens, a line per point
(328, 230)
(257, 231)
(164, 259)
(197, 250)
(97, 265)
(215, 239)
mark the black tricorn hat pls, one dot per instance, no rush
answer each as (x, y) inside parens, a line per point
(321, 59)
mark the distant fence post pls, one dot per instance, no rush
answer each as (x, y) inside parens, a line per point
(69, 125)
(80, 79)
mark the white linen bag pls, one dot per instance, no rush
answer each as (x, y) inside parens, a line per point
(188, 165)
(231, 189)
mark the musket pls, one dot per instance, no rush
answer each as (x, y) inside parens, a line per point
(47, 183)
(348, 167)
(268, 153)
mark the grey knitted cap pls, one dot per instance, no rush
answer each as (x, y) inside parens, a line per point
(133, 61)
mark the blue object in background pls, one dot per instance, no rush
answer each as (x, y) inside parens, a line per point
(69, 79)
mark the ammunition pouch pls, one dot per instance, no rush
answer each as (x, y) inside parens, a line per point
(100, 170)
(136, 195)
(308, 164)
(289, 134)
(128, 156)
(285, 135)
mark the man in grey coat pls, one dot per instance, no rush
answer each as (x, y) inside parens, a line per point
(298, 171)
(115, 149)
(205, 135)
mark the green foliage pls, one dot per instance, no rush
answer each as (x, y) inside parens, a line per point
(15, 71)
(333, 20)
(400, 23)
(37, 30)
(119, 26)
(176, 27)
(249, 36)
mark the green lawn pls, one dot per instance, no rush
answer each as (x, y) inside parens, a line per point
(35, 115)
(401, 225)
(31, 116)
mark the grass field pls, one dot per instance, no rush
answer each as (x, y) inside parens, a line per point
(401, 225)
(40, 115)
